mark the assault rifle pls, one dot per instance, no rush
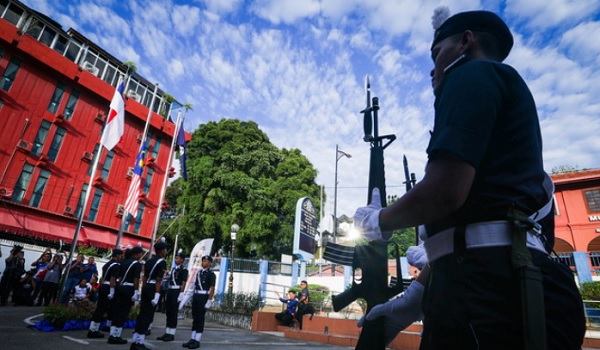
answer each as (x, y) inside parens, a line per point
(371, 259)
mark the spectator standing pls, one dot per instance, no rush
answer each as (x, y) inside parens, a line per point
(89, 269)
(10, 277)
(40, 272)
(204, 290)
(50, 284)
(74, 278)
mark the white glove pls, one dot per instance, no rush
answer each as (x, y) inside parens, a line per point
(111, 295)
(417, 256)
(136, 295)
(155, 300)
(208, 304)
(366, 219)
(400, 312)
(180, 297)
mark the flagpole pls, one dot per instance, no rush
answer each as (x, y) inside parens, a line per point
(177, 235)
(88, 192)
(142, 143)
(165, 182)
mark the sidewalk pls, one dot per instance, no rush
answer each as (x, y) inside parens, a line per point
(14, 321)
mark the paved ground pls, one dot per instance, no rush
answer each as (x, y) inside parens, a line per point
(14, 334)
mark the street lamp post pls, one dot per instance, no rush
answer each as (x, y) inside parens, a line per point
(338, 154)
(234, 230)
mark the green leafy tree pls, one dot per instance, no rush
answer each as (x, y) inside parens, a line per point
(235, 175)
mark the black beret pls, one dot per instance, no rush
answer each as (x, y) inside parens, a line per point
(136, 250)
(160, 246)
(207, 257)
(116, 252)
(477, 21)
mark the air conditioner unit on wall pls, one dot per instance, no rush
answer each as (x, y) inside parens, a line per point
(91, 68)
(100, 117)
(134, 95)
(129, 174)
(24, 145)
(120, 210)
(87, 156)
(5, 192)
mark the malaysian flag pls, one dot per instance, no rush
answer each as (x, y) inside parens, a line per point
(131, 204)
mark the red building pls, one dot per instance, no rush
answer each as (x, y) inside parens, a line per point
(55, 91)
(577, 198)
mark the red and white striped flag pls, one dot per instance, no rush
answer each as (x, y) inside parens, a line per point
(115, 122)
(131, 204)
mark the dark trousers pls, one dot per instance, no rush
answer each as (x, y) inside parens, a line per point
(304, 309)
(199, 312)
(285, 318)
(49, 290)
(7, 284)
(121, 305)
(172, 307)
(103, 305)
(473, 301)
(147, 310)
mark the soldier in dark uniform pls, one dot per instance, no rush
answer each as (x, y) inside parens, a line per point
(126, 293)
(154, 270)
(204, 290)
(106, 293)
(175, 288)
(484, 184)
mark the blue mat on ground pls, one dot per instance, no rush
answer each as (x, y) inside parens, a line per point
(45, 326)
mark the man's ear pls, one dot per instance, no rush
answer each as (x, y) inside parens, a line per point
(467, 42)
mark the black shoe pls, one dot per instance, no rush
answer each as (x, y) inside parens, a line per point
(187, 344)
(116, 340)
(194, 345)
(95, 334)
(166, 337)
(137, 346)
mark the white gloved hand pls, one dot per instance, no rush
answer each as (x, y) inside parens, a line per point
(208, 304)
(136, 295)
(400, 312)
(111, 294)
(155, 300)
(417, 256)
(180, 297)
(366, 219)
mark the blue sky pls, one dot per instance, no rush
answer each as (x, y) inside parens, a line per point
(296, 67)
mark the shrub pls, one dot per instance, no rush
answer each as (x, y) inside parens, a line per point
(591, 291)
(238, 303)
(59, 314)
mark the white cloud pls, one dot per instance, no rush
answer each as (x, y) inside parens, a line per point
(285, 11)
(296, 67)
